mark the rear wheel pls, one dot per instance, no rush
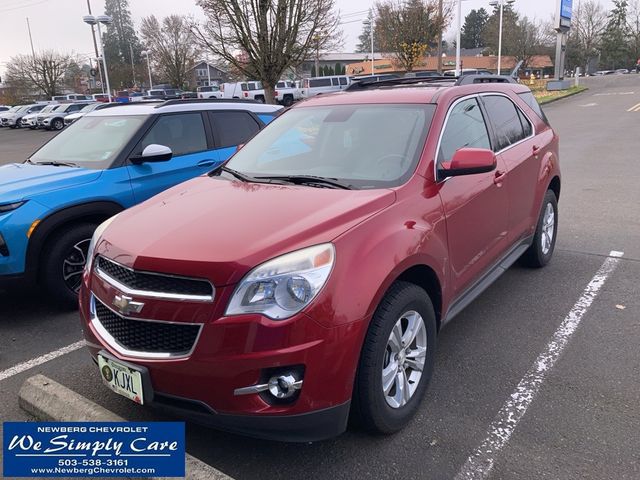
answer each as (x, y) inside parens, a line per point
(57, 124)
(63, 261)
(544, 240)
(260, 98)
(287, 101)
(396, 360)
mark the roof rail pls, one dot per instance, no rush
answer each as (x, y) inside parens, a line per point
(470, 79)
(182, 101)
(390, 82)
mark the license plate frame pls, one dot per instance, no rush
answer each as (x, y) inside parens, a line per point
(122, 378)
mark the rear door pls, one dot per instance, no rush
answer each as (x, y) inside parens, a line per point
(230, 129)
(475, 206)
(515, 144)
(186, 135)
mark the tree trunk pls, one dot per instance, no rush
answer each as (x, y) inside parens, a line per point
(269, 93)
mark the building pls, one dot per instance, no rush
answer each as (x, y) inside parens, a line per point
(540, 65)
(199, 77)
(332, 59)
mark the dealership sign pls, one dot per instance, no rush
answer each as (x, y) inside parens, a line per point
(564, 11)
(93, 449)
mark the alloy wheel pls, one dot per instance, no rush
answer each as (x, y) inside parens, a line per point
(548, 227)
(73, 265)
(404, 359)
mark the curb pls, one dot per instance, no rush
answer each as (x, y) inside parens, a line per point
(47, 400)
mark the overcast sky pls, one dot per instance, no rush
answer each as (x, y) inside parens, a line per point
(58, 24)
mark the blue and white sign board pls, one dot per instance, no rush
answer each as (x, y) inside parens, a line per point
(93, 449)
(564, 11)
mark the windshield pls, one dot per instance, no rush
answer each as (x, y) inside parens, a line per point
(365, 146)
(48, 108)
(89, 107)
(90, 142)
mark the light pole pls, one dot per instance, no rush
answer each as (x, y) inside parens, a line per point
(458, 65)
(146, 54)
(97, 20)
(372, 31)
(495, 3)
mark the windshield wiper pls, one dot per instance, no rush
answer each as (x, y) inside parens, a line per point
(306, 179)
(56, 164)
(235, 173)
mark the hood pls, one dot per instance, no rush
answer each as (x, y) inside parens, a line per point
(20, 181)
(218, 229)
(74, 116)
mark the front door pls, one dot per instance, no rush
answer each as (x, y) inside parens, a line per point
(475, 206)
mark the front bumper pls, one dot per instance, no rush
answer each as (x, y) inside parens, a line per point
(236, 352)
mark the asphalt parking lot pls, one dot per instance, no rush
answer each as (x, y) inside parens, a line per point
(582, 421)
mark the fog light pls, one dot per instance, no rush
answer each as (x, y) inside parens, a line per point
(284, 386)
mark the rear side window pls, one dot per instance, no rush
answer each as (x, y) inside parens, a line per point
(530, 100)
(343, 80)
(465, 128)
(233, 128)
(505, 118)
(335, 82)
(182, 133)
(320, 82)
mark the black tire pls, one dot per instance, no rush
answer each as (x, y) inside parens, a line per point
(287, 101)
(61, 256)
(57, 124)
(538, 255)
(370, 409)
(260, 98)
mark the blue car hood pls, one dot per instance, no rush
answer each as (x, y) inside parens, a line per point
(21, 181)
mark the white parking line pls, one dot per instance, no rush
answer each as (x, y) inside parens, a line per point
(480, 462)
(34, 362)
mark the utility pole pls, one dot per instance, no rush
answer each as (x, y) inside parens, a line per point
(33, 52)
(458, 60)
(371, 35)
(133, 68)
(440, 37)
(95, 47)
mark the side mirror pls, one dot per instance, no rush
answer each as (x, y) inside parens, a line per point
(468, 161)
(153, 153)
(239, 147)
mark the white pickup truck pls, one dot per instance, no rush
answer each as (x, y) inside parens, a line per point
(212, 91)
(287, 92)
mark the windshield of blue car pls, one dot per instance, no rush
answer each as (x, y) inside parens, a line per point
(363, 146)
(91, 142)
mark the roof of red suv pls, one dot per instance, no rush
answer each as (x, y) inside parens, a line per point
(422, 93)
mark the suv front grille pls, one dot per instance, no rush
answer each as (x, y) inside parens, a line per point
(147, 336)
(155, 282)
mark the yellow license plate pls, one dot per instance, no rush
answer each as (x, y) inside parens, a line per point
(121, 379)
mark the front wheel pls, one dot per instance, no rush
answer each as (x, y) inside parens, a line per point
(544, 240)
(396, 360)
(63, 261)
(57, 124)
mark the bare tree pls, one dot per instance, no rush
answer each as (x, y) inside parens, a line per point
(172, 45)
(633, 23)
(530, 38)
(407, 29)
(262, 39)
(588, 24)
(44, 72)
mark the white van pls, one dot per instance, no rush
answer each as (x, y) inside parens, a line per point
(316, 85)
(251, 90)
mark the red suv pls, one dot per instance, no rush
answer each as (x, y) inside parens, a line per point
(307, 278)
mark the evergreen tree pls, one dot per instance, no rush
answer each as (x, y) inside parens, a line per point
(615, 40)
(474, 23)
(120, 41)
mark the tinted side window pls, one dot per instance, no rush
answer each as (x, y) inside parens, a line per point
(335, 82)
(182, 133)
(233, 128)
(526, 124)
(465, 128)
(343, 80)
(320, 82)
(503, 115)
(535, 106)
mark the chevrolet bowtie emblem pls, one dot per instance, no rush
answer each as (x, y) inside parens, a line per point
(126, 305)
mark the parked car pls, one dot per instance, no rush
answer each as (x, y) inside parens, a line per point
(422, 74)
(467, 71)
(163, 94)
(100, 97)
(74, 97)
(90, 107)
(126, 96)
(31, 120)
(108, 160)
(211, 91)
(4, 108)
(307, 278)
(621, 71)
(54, 120)
(287, 92)
(251, 90)
(377, 78)
(319, 85)
(14, 119)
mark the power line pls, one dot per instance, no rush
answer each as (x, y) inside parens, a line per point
(23, 6)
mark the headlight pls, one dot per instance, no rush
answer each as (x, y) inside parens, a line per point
(282, 287)
(94, 240)
(8, 207)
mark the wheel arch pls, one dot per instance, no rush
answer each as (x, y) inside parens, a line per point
(92, 212)
(554, 186)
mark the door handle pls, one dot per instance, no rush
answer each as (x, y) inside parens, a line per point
(499, 177)
(206, 163)
(536, 150)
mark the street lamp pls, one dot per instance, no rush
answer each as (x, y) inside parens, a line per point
(97, 20)
(146, 54)
(495, 3)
